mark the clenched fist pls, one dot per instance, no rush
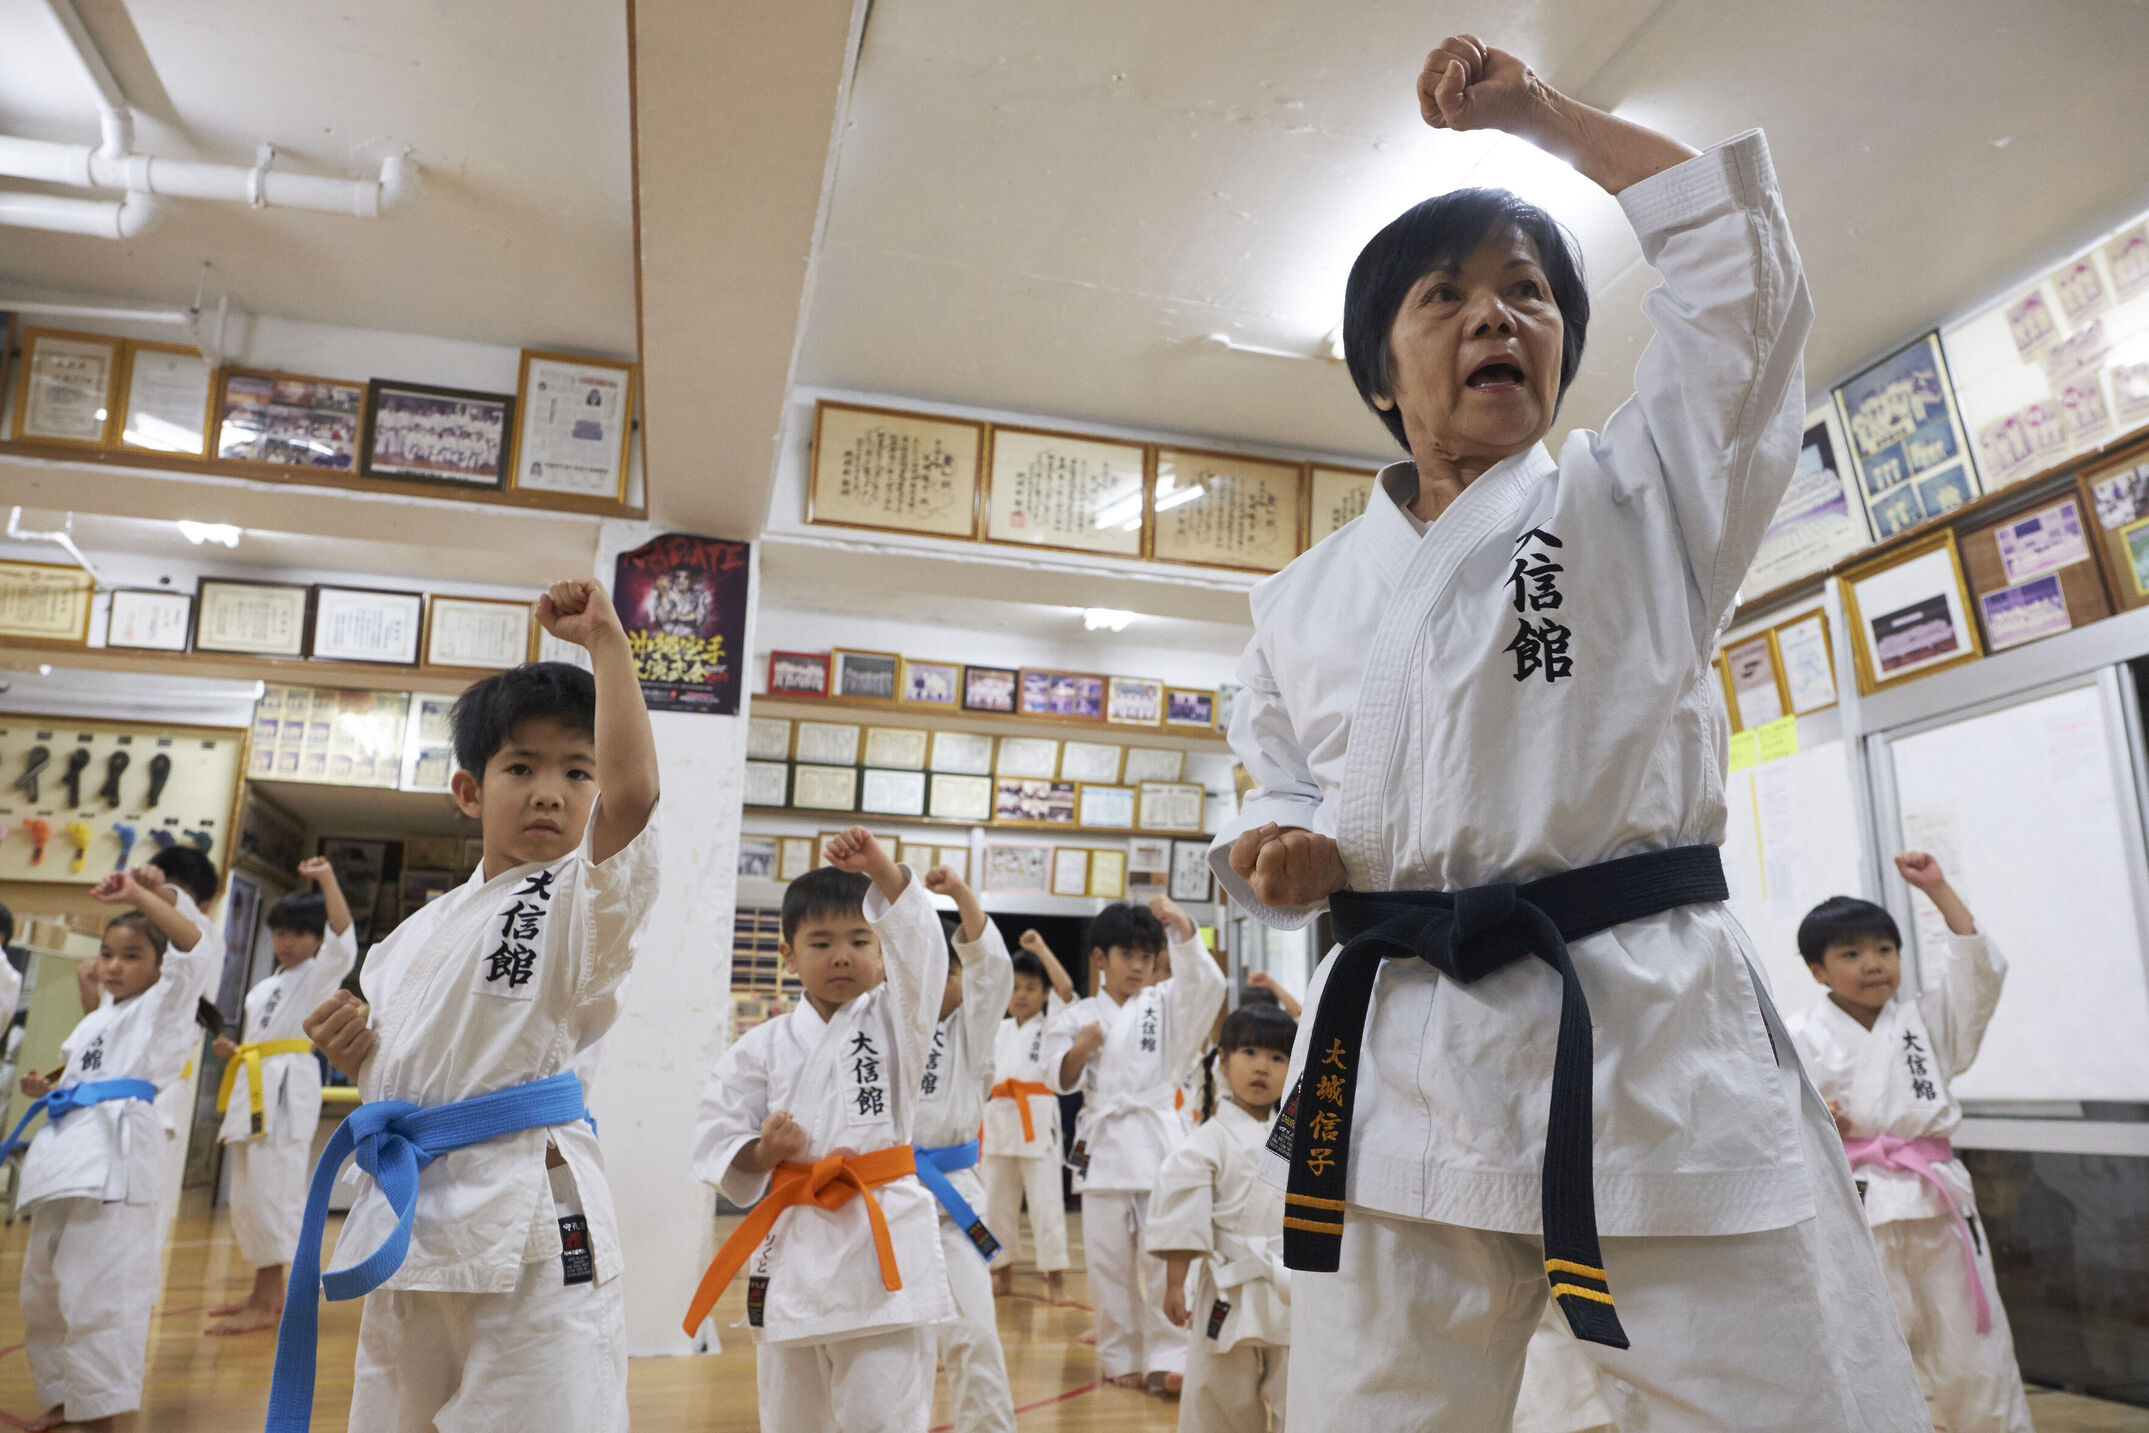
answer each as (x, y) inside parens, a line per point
(1287, 867)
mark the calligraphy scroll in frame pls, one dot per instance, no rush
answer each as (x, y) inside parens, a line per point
(1225, 510)
(894, 472)
(1334, 496)
(1065, 491)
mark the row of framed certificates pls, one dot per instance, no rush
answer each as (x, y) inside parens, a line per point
(1167, 806)
(1145, 866)
(960, 753)
(895, 680)
(564, 431)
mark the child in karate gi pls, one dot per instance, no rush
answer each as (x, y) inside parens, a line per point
(268, 1132)
(93, 1177)
(1124, 1049)
(952, 1096)
(1022, 1125)
(506, 1311)
(1210, 1204)
(187, 878)
(1884, 1058)
(813, 1114)
(1529, 1073)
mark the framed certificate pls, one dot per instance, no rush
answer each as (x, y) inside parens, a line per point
(794, 857)
(965, 752)
(67, 387)
(1149, 864)
(1108, 874)
(828, 743)
(867, 676)
(1190, 871)
(362, 624)
(1018, 869)
(1334, 496)
(989, 689)
(1105, 808)
(46, 602)
(1133, 701)
(259, 619)
(149, 620)
(768, 783)
(1225, 510)
(1070, 870)
(1170, 806)
(1024, 801)
(768, 739)
(895, 472)
(956, 859)
(825, 788)
(900, 748)
(476, 633)
(1753, 683)
(1808, 663)
(1030, 756)
(436, 435)
(892, 793)
(1910, 614)
(932, 684)
(1190, 707)
(168, 389)
(573, 417)
(1153, 763)
(288, 420)
(1062, 490)
(1090, 761)
(960, 798)
(798, 674)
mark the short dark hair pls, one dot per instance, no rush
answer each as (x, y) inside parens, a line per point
(1439, 233)
(1263, 1026)
(1840, 920)
(190, 869)
(137, 921)
(302, 912)
(1028, 964)
(486, 715)
(1130, 927)
(822, 894)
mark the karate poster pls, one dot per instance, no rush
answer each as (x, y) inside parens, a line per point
(682, 600)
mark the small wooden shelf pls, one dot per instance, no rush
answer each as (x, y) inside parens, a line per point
(993, 828)
(282, 671)
(950, 719)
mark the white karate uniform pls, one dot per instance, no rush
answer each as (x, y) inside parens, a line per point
(92, 1185)
(1394, 701)
(269, 1171)
(496, 984)
(1126, 1127)
(1893, 1079)
(1019, 1170)
(951, 1106)
(181, 1056)
(1209, 1199)
(1560, 1392)
(836, 1348)
(10, 990)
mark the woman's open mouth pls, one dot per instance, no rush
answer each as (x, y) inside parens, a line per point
(1498, 376)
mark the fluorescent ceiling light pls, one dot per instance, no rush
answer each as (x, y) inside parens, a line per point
(201, 532)
(1109, 619)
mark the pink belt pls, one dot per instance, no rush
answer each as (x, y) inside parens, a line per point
(1918, 1156)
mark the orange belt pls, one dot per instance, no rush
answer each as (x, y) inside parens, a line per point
(828, 1183)
(1020, 1091)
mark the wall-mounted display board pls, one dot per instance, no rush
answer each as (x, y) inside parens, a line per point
(1820, 520)
(893, 471)
(2116, 499)
(2033, 573)
(1909, 612)
(1906, 438)
(1790, 842)
(80, 799)
(335, 738)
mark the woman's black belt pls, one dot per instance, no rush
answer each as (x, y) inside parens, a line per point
(1467, 935)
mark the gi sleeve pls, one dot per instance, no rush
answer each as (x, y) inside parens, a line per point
(1182, 1203)
(1719, 395)
(194, 972)
(1284, 790)
(914, 952)
(1194, 998)
(1060, 1032)
(988, 981)
(1959, 1004)
(330, 966)
(734, 1102)
(616, 897)
(10, 988)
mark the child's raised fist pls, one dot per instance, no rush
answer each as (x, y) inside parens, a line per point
(119, 887)
(942, 881)
(577, 610)
(316, 868)
(783, 1139)
(1176, 922)
(1035, 944)
(1921, 870)
(855, 850)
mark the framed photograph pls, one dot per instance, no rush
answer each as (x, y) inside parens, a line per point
(289, 420)
(1906, 438)
(824, 788)
(1808, 663)
(362, 624)
(933, 684)
(1190, 879)
(2114, 498)
(46, 602)
(2135, 536)
(1149, 864)
(1170, 806)
(1018, 870)
(956, 859)
(892, 793)
(1023, 801)
(436, 435)
(899, 748)
(2045, 541)
(428, 749)
(965, 752)
(960, 798)
(1153, 763)
(1029, 756)
(1753, 686)
(989, 689)
(2007, 561)
(867, 676)
(1334, 497)
(476, 633)
(1133, 701)
(1910, 614)
(794, 857)
(768, 783)
(757, 857)
(2024, 612)
(167, 391)
(1108, 874)
(149, 620)
(573, 417)
(259, 619)
(1105, 808)
(1066, 491)
(66, 390)
(1820, 520)
(1069, 696)
(828, 743)
(768, 739)
(798, 674)
(894, 472)
(1090, 761)
(1070, 870)
(1227, 700)
(1190, 707)
(1225, 510)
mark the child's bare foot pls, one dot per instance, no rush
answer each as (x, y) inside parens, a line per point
(1056, 1287)
(1003, 1282)
(1088, 1338)
(246, 1318)
(1166, 1385)
(52, 1417)
(1135, 1381)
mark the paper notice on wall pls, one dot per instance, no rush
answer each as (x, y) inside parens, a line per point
(1936, 829)
(1782, 854)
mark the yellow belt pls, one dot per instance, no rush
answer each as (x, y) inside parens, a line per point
(250, 1055)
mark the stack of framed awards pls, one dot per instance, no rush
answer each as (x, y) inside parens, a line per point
(887, 679)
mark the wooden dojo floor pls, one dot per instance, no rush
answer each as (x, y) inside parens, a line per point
(205, 1385)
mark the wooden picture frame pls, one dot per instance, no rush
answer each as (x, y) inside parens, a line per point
(768, 783)
(1160, 805)
(2033, 573)
(1108, 874)
(270, 419)
(1806, 658)
(563, 442)
(1914, 588)
(936, 686)
(1109, 478)
(950, 494)
(1070, 870)
(1032, 801)
(794, 857)
(397, 623)
(768, 738)
(1152, 763)
(961, 753)
(954, 796)
(1907, 476)
(827, 743)
(1269, 496)
(1063, 696)
(1134, 701)
(1091, 762)
(475, 634)
(862, 676)
(885, 792)
(176, 384)
(758, 855)
(896, 748)
(484, 416)
(1036, 758)
(1103, 806)
(1335, 497)
(996, 690)
(2115, 496)
(790, 671)
(1755, 693)
(1192, 879)
(277, 626)
(1190, 708)
(67, 388)
(149, 619)
(1017, 869)
(45, 604)
(824, 788)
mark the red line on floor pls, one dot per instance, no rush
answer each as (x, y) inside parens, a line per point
(1040, 1403)
(12, 1421)
(1070, 1304)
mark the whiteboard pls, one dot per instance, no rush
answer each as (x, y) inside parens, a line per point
(2031, 811)
(1790, 842)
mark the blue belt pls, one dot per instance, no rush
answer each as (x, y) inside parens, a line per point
(393, 1140)
(934, 1167)
(56, 1105)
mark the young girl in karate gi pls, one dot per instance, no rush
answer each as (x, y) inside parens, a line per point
(269, 1134)
(1125, 1049)
(1884, 1059)
(1497, 676)
(810, 1118)
(91, 1181)
(1022, 1155)
(1210, 1205)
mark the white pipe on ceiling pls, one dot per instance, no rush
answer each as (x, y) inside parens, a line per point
(51, 309)
(115, 118)
(137, 213)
